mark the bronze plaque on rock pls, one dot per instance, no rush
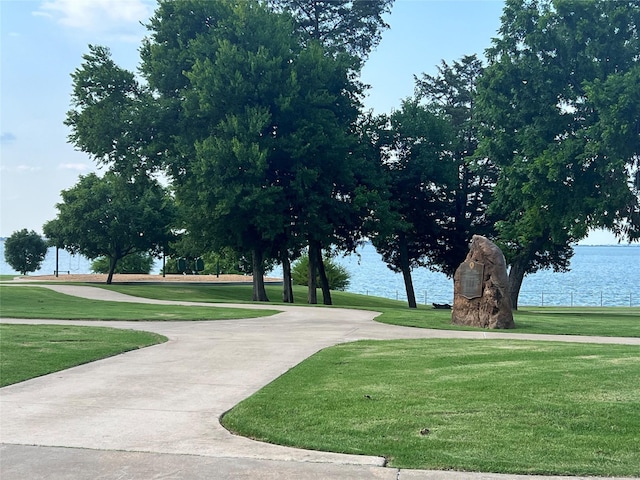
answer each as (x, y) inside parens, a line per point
(471, 274)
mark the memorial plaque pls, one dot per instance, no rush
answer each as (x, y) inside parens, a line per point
(471, 274)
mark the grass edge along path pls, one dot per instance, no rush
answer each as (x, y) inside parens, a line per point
(40, 302)
(592, 321)
(29, 351)
(499, 406)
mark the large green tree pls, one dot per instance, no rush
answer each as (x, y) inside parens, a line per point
(543, 102)
(24, 251)
(336, 206)
(419, 176)
(113, 117)
(342, 26)
(261, 130)
(451, 96)
(112, 216)
(228, 75)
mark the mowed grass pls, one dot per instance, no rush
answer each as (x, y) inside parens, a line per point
(28, 351)
(472, 405)
(593, 321)
(39, 302)
(484, 405)
(609, 322)
(242, 294)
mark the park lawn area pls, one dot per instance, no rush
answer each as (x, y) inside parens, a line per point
(242, 294)
(594, 321)
(38, 302)
(473, 405)
(597, 321)
(29, 351)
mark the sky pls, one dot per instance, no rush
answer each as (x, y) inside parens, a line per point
(42, 43)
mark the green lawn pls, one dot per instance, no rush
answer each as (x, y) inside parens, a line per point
(28, 351)
(595, 321)
(242, 294)
(483, 405)
(611, 322)
(491, 406)
(39, 302)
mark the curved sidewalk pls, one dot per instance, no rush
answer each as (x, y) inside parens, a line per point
(153, 413)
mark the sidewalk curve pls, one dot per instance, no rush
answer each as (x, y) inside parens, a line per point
(154, 412)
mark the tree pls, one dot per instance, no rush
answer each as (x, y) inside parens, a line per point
(418, 176)
(114, 118)
(238, 79)
(25, 251)
(141, 263)
(112, 217)
(351, 26)
(343, 193)
(540, 99)
(262, 127)
(451, 96)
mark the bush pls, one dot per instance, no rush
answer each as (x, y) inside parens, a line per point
(141, 263)
(25, 251)
(337, 275)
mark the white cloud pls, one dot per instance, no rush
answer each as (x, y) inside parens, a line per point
(20, 168)
(80, 167)
(101, 15)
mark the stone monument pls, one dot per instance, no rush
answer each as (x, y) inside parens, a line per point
(481, 288)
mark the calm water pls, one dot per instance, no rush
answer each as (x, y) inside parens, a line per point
(600, 275)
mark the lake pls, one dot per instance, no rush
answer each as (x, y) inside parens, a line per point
(600, 275)
(607, 275)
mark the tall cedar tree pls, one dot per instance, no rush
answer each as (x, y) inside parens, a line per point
(451, 95)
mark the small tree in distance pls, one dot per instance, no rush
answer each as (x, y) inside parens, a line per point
(24, 251)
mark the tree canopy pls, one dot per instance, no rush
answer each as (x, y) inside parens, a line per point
(25, 251)
(541, 101)
(112, 217)
(253, 111)
(418, 175)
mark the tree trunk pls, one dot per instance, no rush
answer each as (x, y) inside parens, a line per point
(287, 285)
(516, 275)
(259, 292)
(406, 272)
(324, 281)
(312, 296)
(112, 268)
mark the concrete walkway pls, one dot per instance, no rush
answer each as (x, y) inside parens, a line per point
(153, 413)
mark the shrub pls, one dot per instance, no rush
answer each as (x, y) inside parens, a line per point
(337, 275)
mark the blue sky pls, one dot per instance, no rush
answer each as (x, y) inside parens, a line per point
(42, 43)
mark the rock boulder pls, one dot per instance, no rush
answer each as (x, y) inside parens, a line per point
(481, 288)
